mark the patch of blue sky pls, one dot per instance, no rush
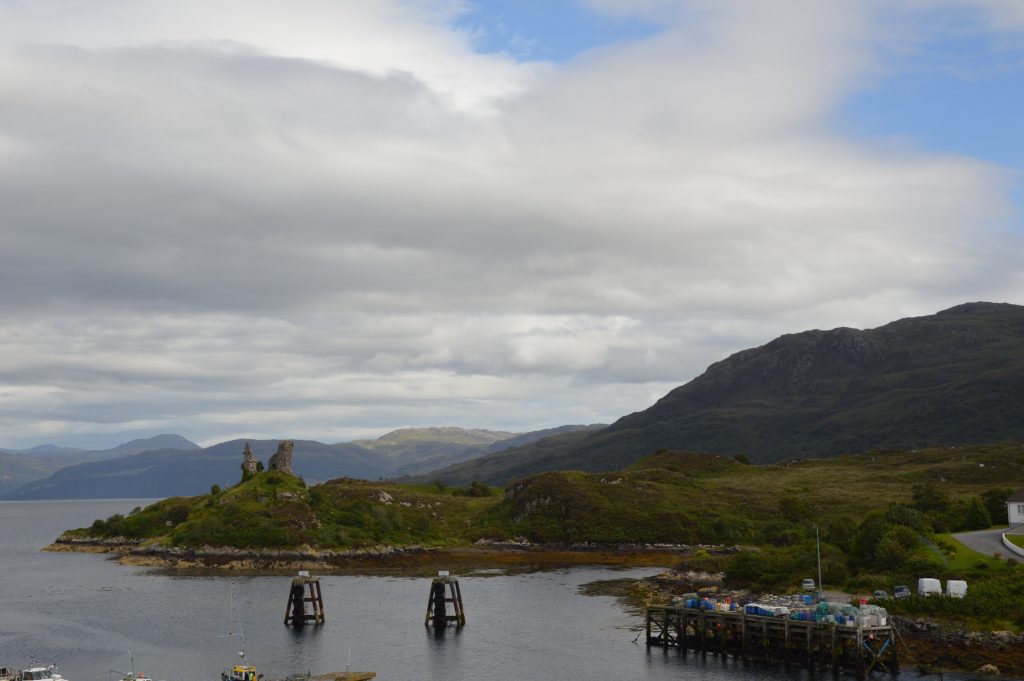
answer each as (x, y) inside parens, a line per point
(963, 94)
(552, 30)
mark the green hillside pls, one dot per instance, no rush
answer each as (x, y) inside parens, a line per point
(883, 518)
(666, 497)
(953, 378)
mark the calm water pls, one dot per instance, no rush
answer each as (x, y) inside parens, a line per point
(84, 612)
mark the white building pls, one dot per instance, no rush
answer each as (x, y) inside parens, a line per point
(1015, 508)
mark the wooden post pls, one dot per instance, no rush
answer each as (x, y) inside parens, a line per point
(743, 636)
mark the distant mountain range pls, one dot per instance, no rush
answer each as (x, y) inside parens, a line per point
(955, 377)
(66, 456)
(169, 465)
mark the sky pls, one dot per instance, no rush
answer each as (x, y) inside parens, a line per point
(327, 219)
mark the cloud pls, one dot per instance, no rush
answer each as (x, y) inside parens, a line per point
(337, 219)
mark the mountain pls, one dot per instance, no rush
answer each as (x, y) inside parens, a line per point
(50, 451)
(17, 469)
(416, 451)
(445, 434)
(65, 456)
(21, 467)
(955, 377)
(171, 472)
(167, 472)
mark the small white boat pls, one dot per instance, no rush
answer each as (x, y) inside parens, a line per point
(40, 674)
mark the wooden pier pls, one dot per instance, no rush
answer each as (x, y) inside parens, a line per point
(853, 649)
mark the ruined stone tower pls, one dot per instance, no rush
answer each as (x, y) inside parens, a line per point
(248, 461)
(282, 458)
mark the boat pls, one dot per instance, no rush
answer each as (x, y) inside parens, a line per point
(40, 673)
(241, 671)
(132, 675)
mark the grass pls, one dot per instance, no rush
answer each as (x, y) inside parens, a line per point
(1016, 540)
(670, 497)
(964, 559)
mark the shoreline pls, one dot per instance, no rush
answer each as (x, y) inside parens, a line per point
(375, 558)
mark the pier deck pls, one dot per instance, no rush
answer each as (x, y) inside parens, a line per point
(858, 650)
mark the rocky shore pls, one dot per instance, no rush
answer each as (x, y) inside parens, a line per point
(485, 553)
(933, 646)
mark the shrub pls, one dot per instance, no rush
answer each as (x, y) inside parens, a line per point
(975, 515)
(794, 509)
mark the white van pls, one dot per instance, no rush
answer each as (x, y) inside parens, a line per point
(956, 588)
(928, 586)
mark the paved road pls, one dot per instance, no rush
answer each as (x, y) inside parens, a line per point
(984, 541)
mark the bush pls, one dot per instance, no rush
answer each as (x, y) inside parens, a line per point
(928, 497)
(995, 503)
(794, 509)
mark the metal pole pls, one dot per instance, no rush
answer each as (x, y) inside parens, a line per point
(817, 540)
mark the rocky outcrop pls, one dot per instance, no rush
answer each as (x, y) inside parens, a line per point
(248, 461)
(282, 458)
(934, 646)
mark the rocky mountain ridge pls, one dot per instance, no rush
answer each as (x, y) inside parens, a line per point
(955, 377)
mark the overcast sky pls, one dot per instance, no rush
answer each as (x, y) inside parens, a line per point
(327, 219)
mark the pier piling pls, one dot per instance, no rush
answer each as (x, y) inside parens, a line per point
(445, 592)
(304, 590)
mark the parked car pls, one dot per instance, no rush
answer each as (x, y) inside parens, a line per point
(880, 595)
(807, 585)
(901, 592)
(929, 586)
(956, 588)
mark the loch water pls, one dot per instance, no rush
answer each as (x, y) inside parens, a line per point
(85, 611)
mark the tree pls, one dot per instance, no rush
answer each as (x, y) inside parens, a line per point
(928, 497)
(841, 531)
(215, 489)
(901, 514)
(995, 503)
(895, 547)
(975, 515)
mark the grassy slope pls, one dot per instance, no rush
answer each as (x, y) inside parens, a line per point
(667, 497)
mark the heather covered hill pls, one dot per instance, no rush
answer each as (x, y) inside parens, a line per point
(956, 377)
(665, 497)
